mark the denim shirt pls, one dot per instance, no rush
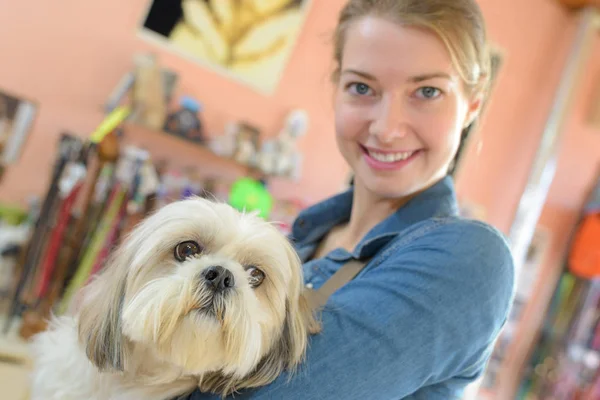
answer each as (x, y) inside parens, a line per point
(418, 322)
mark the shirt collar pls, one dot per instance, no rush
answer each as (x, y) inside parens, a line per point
(314, 222)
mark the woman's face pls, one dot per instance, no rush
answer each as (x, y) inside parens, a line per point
(400, 107)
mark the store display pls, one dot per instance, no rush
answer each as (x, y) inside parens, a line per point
(148, 102)
(185, 122)
(247, 139)
(69, 148)
(108, 125)
(13, 239)
(125, 86)
(584, 258)
(146, 91)
(69, 188)
(47, 267)
(16, 118)
(13, 215)
(566, 362)
(528, 276)
(279, 156)
(224, 145)
(99, 191)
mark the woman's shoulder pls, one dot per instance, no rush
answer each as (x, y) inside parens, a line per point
(456, 237)
(473, 256)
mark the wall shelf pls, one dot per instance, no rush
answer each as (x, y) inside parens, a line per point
(183, 153)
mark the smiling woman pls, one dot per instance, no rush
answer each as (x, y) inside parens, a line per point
(420, 317)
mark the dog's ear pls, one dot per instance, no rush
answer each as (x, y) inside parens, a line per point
(300, 319)
(100, 327)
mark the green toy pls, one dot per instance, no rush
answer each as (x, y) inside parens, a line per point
(248, 195)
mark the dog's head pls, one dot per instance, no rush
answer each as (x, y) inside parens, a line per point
(212, 291)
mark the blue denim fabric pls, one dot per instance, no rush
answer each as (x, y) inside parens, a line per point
(421, 319)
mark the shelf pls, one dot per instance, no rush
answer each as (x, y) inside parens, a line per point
(183, 153)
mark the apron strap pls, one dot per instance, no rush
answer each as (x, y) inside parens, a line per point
(318, 298)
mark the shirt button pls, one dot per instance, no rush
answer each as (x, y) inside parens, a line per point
(309, 285)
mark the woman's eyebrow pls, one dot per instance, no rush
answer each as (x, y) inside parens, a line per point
(424, 77)
(414, 79)
(359, 73)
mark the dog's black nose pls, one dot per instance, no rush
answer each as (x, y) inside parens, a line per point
(219, 278)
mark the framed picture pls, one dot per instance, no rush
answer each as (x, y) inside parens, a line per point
(16, 117)
(247, 40)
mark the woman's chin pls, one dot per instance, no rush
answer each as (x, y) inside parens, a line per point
(393, 186)
(388, 189)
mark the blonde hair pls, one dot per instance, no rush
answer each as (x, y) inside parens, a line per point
(458, 23)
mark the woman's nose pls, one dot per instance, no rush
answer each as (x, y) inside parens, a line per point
(390, 119)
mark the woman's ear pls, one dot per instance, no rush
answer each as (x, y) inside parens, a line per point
(474, 108)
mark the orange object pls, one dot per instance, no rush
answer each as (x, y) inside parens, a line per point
(584, 258)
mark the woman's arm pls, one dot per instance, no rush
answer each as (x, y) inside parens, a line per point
(428, 313)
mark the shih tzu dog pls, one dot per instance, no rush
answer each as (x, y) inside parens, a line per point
(199, 295)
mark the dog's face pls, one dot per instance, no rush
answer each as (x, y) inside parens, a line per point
(209, 290)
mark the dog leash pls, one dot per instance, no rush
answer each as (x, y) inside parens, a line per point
(318, 298)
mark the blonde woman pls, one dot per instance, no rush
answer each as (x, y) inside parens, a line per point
(420, 320)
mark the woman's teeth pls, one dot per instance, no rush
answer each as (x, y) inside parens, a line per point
(390, 157)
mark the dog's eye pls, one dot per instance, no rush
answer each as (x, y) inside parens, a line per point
(187, 249)
(256, 276)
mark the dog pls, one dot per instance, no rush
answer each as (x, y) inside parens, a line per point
(198, 295)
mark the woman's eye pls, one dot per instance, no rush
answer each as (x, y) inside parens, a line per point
(428, 92)
(256, 276)
(360, 89)
(187, 249)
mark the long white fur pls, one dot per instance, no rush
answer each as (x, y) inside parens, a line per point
(139, 334)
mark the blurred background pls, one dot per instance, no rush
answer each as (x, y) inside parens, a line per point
(109, 109)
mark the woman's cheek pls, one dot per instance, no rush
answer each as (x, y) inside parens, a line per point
(350, 121)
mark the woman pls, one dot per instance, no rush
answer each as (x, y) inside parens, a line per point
(420, 320)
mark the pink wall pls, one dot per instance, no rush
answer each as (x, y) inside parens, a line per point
(535, 37)
(68, 56)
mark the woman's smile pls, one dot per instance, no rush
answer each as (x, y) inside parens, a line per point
(388, 160)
